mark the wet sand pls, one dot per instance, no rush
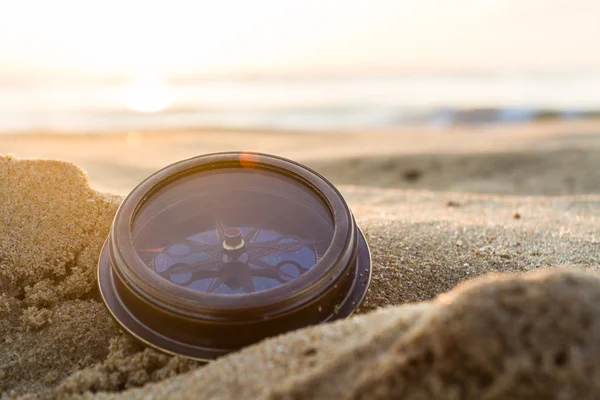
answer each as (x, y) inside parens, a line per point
(437, 212)
(543, 158)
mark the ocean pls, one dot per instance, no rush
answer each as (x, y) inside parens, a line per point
(310, 104)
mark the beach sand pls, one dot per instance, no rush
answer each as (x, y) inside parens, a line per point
(438, 208)
(544, 158)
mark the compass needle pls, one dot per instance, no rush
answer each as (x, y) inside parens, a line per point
(154, 250)
(198, 266)
(264, 265)
(247, 281)
(220, 229)
(260, 252)
(252, 235)
(214, 284)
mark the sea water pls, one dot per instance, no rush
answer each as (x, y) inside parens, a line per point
(311, 104)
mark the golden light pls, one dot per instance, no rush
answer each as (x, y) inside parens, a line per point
(147, 94)
(134, 139)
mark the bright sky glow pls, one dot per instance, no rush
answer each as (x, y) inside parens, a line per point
(225, 36)
(147, 93)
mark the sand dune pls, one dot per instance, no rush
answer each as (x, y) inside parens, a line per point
(530, 335)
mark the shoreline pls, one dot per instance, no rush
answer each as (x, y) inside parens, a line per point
(550, 124)
(485, 159)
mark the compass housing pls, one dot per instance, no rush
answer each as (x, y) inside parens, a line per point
(220, 251)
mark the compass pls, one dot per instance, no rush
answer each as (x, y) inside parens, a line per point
(219, 251)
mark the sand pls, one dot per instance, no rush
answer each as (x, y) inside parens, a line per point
(544, 158)
(422, 332)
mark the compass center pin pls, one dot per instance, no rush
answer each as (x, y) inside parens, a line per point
(233, 239)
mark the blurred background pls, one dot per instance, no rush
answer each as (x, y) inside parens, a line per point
(125, 70)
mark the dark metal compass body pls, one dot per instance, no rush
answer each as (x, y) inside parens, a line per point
(217, 252)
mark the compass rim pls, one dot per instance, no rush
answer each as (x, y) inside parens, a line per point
(166, 294)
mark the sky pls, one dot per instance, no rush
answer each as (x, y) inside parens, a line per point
(128, 37)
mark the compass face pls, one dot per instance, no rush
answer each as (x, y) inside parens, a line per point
(233, 231)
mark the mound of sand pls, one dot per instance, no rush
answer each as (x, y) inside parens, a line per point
(506, 337)
(500, 338)
(52, 320)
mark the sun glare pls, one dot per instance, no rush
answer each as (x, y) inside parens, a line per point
(147, 94)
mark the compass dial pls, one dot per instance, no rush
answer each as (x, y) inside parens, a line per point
(258, 232)
(264, 259)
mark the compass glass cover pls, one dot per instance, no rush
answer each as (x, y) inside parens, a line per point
(232, 231)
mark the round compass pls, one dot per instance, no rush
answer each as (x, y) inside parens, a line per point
(220, 251)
